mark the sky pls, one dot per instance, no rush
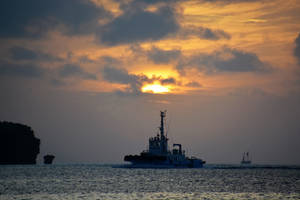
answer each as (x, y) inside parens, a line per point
(90, 76)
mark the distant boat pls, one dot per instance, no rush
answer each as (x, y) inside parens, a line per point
(246, 159)
(159, 156)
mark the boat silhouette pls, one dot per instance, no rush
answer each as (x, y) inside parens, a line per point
(158, 154)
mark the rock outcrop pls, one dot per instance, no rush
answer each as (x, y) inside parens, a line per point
(18, 145)
(48, 159)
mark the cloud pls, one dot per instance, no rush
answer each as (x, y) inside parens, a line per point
(136, 24)
(139, 25)
(168, 81)
(297, 49)
(110, 61)
(193, 84)
(121, 76)
(85, 59)
(229, 1)
(32, 18)
(24, 70)
(71, 70)
(21, 53)
(57, 82)
(146, 2)
(224, 60)
(134, 82)
(118, 75)
(159, 56)
(203, 33)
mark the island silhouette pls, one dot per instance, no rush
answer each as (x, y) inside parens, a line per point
(18, 145)
(48, 159)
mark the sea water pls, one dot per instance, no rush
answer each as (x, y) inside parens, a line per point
(115, 182)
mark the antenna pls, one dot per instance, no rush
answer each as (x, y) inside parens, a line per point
(168, 128)
(162, 121)
(168, 125)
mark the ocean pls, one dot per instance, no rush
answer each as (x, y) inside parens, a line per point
(92, 181)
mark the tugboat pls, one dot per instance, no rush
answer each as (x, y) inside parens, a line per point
(159, 156)
(246, 159)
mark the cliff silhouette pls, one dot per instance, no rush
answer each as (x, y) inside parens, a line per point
(18, 145)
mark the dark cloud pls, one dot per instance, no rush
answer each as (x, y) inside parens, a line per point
(71, 70)
(35, 17)
(121, 76)
(168, 81)
(139, 25)
(157, 55)
(134, 82)
(193, 84)
(297, 49)
(225, 60)
(160, 56)
(57, 82)
(85, 59)
(110, 61)
(145, 2)
(54, 76)
(203, 33)
(229, 1)
(24, 70)
(21, 53)
(136, 5)
(118, 75)
(239, 62)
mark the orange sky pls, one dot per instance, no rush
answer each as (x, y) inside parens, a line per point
(266, 29)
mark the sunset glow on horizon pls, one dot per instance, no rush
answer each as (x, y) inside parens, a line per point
(155, 88)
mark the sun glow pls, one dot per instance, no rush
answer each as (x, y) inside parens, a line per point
(155, 88)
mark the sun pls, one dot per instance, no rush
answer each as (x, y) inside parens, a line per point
(155, 88)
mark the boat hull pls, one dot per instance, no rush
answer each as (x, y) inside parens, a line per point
(139, 161)
(245, 162)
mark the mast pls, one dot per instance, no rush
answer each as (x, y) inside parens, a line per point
(163, 139)
(248, 158)
(162, 129)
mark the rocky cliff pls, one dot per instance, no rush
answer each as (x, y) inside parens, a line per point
(18, 145)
